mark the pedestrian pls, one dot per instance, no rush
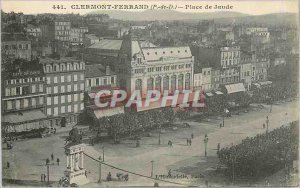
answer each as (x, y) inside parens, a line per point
(206, 183)
(264, 126)
(44, 177)
(218, 147)
(220, 125)
(192, 135)
(57, 161)
(59, 182)
(187, 141)
(190, 142)
(52, 157)
(85, 173)
(169, 173)
(8, 164)
(47, 161)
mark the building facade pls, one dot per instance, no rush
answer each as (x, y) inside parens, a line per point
(65, 89)
(62, 31)
(23, 99)
(16, 46)
(160, 68)
(77, 35)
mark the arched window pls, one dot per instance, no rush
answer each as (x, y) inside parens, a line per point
(150, 84)
(173, 83)
(166, 83)
(62, 67)
(180, 82)
(158, 83)
(138, 84)
(187, 81)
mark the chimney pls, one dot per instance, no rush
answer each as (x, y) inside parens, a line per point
(107, 70)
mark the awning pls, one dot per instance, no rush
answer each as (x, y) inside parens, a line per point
(209, 94)
(234, 88)
(99, 113)
(24, 116)
(219, 93)
(265, 83)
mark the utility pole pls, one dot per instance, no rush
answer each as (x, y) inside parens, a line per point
(48, 172)
(152, 168)
(205, 143)
(159, 135)
(99, 181)
(102, 153)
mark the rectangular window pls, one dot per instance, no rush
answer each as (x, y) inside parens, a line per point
(62, 79)
(55, 89)
(105, 81)
(69, 98)
(81, 96)
(63, 109)
(48, 90)
(33, 102)
(7, 91)
(41, 89)
(75, 77)
(48, 100)
(55, 100)
(55, 79)
(41, 100)
(69, 88)
(75, 97)
(62, 89)
(81, 77)
(49, 112)
(8, 105)
(69, 78)
(75, 108)
(18, 104)
(33, 88)
(112, 80)
(75, 87)
(48, 80)
(97, 82)
(81, 106)
(62, 99)
(55, 111)
(82, 86)
(69, 108)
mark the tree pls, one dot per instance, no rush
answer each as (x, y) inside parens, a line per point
(74, 137)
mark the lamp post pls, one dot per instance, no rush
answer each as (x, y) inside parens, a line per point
(99, 181)
(205, 143)
(159, 132)
(267, 122)
(102, 153)
(152, 168)
(48, 173)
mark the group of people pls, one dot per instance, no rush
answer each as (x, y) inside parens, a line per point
(52, 159)
(262, 154)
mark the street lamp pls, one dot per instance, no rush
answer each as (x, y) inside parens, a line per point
(205, 143)
(267, 122)
(99, 181)
(102, 153)
(152, 168)
(48, 174)
(159, 134)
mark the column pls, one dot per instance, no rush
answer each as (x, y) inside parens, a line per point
(81, 166)
(176, 85)
(170, 82)
(72, 162)
(183, 82)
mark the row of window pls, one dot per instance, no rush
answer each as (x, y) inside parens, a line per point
(99, 81)
(176, 82)
(148, 53)
(226, 55)
(230, 79)
(62, 79)
(24, 90)
(65, 109)
(25, 80)
(24, 103)
(166, 68)
(65, 88)
(15, 47)
(64, 67)
(230, 62)
(64, 99)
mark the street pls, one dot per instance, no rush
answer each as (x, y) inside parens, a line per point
(27, 158)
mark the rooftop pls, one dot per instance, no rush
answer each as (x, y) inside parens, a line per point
(96, 70)
(61, 60)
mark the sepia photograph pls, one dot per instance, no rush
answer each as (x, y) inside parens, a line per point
(150, 93)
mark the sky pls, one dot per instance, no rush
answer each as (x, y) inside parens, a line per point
(254, 7)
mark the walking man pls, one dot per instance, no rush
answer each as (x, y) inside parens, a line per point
(47, 161)
(190, 142)
(57, 160)
(42, 176)
(187, 142)
(192, 135)
(8, 164)
(52, 157)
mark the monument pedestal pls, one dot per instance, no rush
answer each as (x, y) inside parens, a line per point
(78, 177)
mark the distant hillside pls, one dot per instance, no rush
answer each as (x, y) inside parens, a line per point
(269, 19)
(167, 15)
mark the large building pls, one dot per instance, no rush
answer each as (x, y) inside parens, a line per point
(65, 89)
(62, 31)
(77, 35)
(160, 68)
(16, 46)
(23, 98)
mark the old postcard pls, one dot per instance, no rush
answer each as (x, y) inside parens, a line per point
(150, 93)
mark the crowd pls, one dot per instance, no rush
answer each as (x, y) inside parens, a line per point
(263, 154)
